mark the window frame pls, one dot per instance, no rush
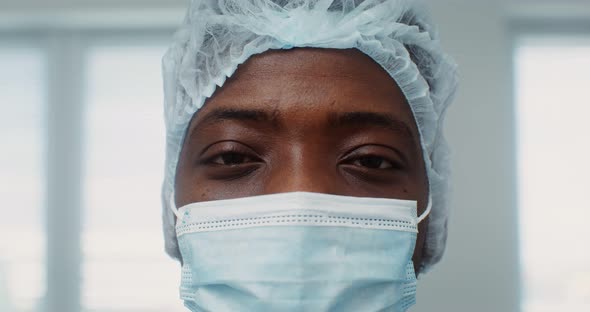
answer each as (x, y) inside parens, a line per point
(65, 53)
(32, 40)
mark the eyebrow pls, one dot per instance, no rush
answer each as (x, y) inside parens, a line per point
(371, 119)
(340, 120)
(221, 114)
(224, 114)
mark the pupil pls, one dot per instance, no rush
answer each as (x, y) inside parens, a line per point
(232, 159)
(371, 162)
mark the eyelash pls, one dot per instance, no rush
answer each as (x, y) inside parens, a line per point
(228, 148)
(211, 160)
(358, 162)
(384, 153)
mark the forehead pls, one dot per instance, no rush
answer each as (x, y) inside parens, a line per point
(311, 83)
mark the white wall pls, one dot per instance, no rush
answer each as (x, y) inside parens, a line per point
(480, 269)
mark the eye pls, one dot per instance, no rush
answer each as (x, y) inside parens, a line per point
(374, 158)
(228, 154)
(231, 159)
(373, 162)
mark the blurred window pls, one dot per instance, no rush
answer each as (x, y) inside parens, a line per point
(553, 159)
(22, 78)
(124, 264)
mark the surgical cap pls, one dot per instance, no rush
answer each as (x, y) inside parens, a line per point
(218, 35)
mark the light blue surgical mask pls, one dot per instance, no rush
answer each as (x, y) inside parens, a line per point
(298, 252)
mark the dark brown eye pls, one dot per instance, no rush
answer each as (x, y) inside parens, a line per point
(373, 162)
(231, 159)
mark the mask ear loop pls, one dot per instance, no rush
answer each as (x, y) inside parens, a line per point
(427, 211)
(172, 206)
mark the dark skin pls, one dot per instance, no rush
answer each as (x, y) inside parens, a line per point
(315, 120)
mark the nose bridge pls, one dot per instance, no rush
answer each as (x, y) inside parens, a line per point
(300, 170)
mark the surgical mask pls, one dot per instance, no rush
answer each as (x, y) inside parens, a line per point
(298, 252)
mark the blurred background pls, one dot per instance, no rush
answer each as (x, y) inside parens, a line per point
(82, 152)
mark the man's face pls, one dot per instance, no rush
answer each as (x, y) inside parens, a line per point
(316, 120)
